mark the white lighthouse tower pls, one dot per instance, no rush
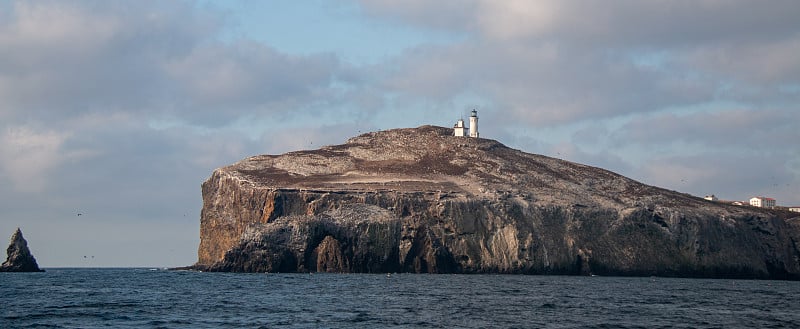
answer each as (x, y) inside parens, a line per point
(473, 124)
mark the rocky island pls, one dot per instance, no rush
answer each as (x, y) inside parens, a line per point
(19, 258)
(424, 201)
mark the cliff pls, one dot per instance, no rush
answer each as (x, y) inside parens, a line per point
(421, 200)
(19, 256)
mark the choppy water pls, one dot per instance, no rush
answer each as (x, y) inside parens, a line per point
(143, 298)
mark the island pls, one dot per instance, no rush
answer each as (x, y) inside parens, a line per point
(423, 200)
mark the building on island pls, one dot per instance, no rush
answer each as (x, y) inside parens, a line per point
(471, 131)
(458, 129)
(473, 124)
(711, 198)
(762, 202)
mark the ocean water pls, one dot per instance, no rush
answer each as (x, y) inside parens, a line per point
(148, 298)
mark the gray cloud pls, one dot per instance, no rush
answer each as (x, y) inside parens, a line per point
(751, 130)
(729, 176)
(557, 62)
(766, 63)
(544, 84)
(603, 23)
(216, 84)
(60, 60)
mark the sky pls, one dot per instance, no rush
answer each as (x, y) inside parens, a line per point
(112, 113)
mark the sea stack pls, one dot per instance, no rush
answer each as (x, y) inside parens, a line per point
(19, 258)
(424, 200)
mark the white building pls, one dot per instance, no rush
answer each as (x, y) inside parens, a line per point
(711, 198)
(471, 131)
(459, 128)
(795, 209)
(762, 202)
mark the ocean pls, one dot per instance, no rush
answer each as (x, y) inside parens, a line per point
(155, 298)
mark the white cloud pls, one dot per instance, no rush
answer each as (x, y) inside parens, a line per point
(516, 19)
(67, 27)
(27, 157)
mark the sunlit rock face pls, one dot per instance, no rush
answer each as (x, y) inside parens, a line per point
(422, 200)
(19, 256)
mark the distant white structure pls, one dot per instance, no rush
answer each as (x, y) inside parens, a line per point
(458, 129)
(795, 209)
(473, 124)
(711, 198)
(762, 202)
(471, 131)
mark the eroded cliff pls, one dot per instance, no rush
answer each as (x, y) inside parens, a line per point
(421, 200)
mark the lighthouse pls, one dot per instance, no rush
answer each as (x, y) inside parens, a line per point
(472, 131)
(473, 124)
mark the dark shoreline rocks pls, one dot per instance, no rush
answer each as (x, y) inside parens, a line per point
(19, 257)
(423, 201)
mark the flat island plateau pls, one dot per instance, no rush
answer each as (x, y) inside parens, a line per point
(421, 200)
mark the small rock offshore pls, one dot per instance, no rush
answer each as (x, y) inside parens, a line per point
(19, 256)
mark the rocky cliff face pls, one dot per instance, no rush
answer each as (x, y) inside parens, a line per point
(19, 256)
(421, 200)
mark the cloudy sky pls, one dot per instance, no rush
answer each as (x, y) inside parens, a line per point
(119, 110)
